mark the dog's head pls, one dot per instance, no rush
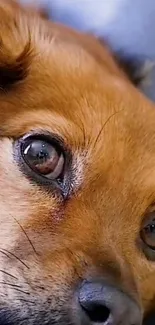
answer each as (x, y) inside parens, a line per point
(77, 185)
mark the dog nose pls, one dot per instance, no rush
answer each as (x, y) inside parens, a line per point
(104, 304)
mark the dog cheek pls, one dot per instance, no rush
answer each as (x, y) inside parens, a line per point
(148, 293)
(20, 201)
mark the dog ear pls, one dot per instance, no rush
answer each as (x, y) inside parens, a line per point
(15, 45)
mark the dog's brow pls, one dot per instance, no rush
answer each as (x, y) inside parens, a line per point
(103, 126)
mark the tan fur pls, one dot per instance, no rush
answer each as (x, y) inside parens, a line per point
(72, 87)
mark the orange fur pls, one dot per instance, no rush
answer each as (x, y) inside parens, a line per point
(67, 83)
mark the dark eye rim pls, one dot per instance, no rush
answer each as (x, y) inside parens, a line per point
(61, 185)
(144, 243)
(148, 250)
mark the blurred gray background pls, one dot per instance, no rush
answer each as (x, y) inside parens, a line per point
(128, 25)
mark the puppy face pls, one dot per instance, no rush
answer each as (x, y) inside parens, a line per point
(77, 185)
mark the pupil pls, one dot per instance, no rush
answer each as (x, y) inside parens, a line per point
(152, 228)
(38, 152)
(42, 155)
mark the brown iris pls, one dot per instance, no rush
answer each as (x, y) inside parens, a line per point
(148, 231)
(44, 158)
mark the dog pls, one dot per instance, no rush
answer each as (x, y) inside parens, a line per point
(77, 185)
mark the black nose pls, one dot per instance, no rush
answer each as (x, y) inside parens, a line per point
(106, 305)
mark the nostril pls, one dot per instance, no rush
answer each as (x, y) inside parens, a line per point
(104, 304)
(97, 313)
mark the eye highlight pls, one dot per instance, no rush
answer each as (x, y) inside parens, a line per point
(43, 157)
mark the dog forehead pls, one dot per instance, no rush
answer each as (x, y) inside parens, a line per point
(70, 90)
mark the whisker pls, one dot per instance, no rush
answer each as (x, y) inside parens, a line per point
(10, 284)
(83, 131)
(12, 276)
(103, 126)
(23, 230)
(24, 300)
(22, 291)
(6, 252)
(15, 287)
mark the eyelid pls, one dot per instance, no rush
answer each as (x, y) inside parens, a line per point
(62, 186)
(46, 136)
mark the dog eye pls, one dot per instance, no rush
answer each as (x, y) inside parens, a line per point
(148, 234)
(46, 160)
(43, 157)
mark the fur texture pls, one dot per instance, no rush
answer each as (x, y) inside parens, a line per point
(59, 81)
